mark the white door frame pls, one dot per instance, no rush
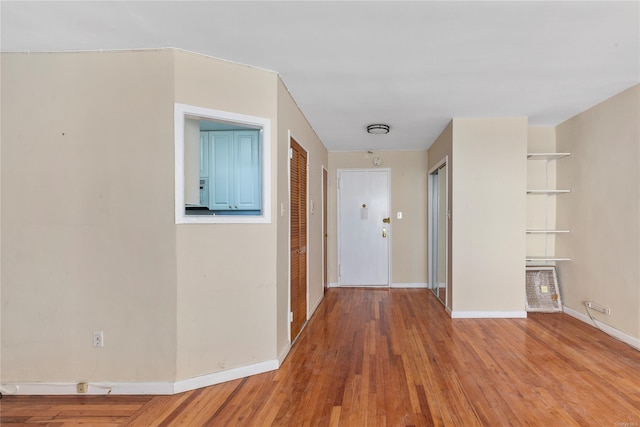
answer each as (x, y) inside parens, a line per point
(325, 231)
(389, 235)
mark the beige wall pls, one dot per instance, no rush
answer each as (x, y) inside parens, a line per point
(408, 195)
(89, 240)
(226, 285)
(292, 122)
(489, 214)
(88, 233)
(443, 147)
(602, 210)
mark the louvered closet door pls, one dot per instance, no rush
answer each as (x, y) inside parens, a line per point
(298, 238)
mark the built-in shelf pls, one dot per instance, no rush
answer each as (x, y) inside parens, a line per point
(548, 191)
(546, 156)
(546, 259)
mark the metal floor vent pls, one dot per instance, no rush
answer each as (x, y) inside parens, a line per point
(543, 293)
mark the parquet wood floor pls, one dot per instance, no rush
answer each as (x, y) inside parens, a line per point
(393, 357)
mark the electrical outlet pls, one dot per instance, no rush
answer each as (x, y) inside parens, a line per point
(98, 339)
(82, 387)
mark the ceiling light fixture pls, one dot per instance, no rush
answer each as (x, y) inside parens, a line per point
(378, 129)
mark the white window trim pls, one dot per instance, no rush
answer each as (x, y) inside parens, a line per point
(183, 111)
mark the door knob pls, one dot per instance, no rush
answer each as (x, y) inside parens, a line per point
(384, 232)
(386, 220)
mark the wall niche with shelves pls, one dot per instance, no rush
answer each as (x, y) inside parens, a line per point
(541, 207)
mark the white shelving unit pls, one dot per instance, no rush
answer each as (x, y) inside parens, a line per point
(547, 156)
(547, 192)
(546, 259)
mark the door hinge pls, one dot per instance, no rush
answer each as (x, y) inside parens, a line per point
(291, 317)
(291, 153)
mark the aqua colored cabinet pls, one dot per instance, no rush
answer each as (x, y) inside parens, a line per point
(234, 170)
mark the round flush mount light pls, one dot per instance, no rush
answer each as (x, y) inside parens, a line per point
(378, 129)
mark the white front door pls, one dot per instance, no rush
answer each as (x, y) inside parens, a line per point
(363, 234)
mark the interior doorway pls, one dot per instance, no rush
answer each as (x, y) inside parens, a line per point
(438, 230)
(298, 239)
(364, 227)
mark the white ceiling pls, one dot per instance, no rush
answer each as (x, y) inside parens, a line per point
(412, 65)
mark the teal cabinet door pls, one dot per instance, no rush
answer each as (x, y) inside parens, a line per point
(234, 170)
(247, 174)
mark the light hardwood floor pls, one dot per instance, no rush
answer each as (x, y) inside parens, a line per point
(394, 358)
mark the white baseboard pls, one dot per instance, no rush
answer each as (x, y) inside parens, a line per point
(284, 353)
(159, 387)
(488, 314)
(393, 285)
(315, 306)
(224, 376)
(99, 387)
(440, 285)
(632, 341)
(409, 285)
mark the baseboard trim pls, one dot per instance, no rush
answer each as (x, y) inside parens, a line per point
(315, 306)
(159, 387)
(224, 376)
(284, 353)
(409, 285)
(99, 387)
(488, 314)
(616, 333)
(332, 285)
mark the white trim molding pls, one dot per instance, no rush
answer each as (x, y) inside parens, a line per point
(152, 387)
(333, 285)
(284, 353)
(101, 387)
(313, 309)
(224, 376)
(488, 314)
(632, 341)
(409, 285)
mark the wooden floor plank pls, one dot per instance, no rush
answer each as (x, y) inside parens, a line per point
(378, 357)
